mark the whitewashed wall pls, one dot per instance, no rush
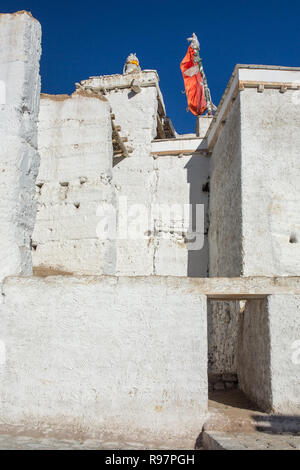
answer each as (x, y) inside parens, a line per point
(255, 192)
(74, 179)
(268, 353)
(75, 143)
(135, 177)
(255, 196)
(104, 357)
(183, 181)
(270, 123)
(144, 180)
(20, 38)
(225, 205)
(168, 181)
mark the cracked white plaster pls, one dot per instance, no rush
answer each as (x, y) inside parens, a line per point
(20, 39)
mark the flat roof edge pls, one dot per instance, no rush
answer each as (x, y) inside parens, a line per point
(232, 89)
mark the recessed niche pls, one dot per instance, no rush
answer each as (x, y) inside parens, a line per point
(33, 246)
(293, 238)
(82, 180)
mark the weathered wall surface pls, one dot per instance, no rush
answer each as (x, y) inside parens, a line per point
(255, 224)
(75, 143)
(284, 318)
(106, 356)
(222, 327)
(225, 231)
(77, 168)
(164, 181)
(254, 200)
(134, 177)
(181, 181)
(253, 353)
(270, 124)
(20, 38)
(225, 241)
(268, 353)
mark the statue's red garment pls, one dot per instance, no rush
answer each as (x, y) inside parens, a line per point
(193, 83)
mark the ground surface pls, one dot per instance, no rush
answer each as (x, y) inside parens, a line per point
(236, 424)
(9, 442)
(250, 441)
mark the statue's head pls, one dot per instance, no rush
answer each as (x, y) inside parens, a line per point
(132, 64)
(194, 42)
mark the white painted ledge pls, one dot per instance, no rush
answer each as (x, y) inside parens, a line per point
(248, 76)
(219, 288)
(145, 77)
(179, 146)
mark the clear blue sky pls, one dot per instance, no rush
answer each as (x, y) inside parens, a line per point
(81, 39)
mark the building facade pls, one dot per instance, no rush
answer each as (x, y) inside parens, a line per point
(138, 265)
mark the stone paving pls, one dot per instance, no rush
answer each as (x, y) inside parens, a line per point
(9, 442)
(234, 423)
(214, 440)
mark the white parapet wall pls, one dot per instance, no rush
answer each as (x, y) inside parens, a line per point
(125, 358)
(75, 144)
(20, 39)
(118, 358)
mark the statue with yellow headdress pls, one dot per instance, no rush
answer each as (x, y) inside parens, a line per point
(132, 64)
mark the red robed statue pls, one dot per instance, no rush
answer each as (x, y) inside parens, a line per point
(196, 89)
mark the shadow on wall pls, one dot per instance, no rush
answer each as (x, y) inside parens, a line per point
(198, 179)
(223, 327)
(277, 423)
(117, 160)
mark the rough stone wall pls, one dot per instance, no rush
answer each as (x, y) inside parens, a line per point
(75, 143)
(20, 38)
(222, 327)
(105, 357)
(270, 123)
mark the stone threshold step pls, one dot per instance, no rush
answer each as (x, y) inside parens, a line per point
(214, 440)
